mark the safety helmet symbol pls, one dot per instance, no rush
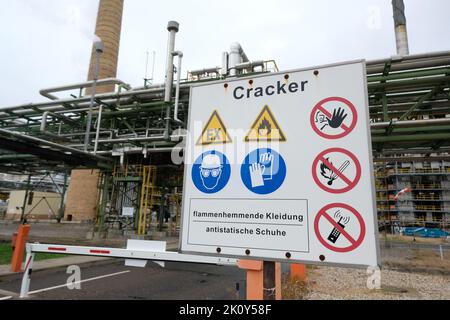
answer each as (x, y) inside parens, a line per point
(211, 161)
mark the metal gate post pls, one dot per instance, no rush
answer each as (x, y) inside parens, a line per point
(27, 273)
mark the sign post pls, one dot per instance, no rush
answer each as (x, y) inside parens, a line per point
(279, 168)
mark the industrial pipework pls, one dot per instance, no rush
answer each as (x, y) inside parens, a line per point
(173, 27)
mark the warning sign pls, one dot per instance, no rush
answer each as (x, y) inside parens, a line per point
(339, 227)
(261, 188)
(334, 118)
(265, 128)
(336, 170)
(214, 131)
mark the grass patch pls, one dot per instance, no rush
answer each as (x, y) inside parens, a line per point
(6, 254)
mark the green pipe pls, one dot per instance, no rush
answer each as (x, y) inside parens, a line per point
(413, 129)
(16, 157)
(406, 75)
(426, 81)
(412, 137)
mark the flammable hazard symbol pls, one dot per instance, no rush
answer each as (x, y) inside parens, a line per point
(265, 128)
(214, 132)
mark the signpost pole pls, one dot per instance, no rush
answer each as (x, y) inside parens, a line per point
(298, 271)
(269, 280)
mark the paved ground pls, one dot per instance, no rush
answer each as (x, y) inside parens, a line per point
(112, 280)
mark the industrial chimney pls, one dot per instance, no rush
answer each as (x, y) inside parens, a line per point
(109, 24)
(401, 34)
(82, 194)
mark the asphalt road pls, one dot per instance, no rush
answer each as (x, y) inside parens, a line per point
(113, 280)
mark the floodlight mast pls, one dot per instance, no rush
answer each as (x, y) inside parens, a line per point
(99, 47)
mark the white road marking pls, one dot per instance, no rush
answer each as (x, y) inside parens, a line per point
(77, 282)
(72, 283)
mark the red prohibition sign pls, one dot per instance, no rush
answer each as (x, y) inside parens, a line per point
(355, 243)
(350, 183)
(320, 107)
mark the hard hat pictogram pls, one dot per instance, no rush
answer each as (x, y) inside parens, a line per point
(214, 132)
(211, 172)
(265, 128)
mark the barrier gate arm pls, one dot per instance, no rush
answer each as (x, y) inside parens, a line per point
(33, 248)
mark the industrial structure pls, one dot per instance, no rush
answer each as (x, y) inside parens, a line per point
(114, 142)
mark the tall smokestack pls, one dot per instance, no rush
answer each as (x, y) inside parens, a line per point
(401, 35)
(82, 194)
(109, 25)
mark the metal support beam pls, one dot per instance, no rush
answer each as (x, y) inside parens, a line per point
(25, 199)
(63, 195)
(419, 103)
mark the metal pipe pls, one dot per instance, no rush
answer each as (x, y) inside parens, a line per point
(407, 75)
(51, 144)
(413, 129)
(177, 92)
(425, 56)
(98, 52)
(250, 64)
(409, 123)
(142, 139)
(114, 96)
(224, 70)
(46, 92)
(205, 71)
(44, 121)
(97, 134)
(406, 138)
(139, 150)
(173, 28)
(234, 58)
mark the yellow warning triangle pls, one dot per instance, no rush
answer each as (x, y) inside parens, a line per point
(214, 131)
(265, 128)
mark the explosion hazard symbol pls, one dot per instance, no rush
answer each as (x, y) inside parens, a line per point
(214, 132)
(339, 227)
(265, 128)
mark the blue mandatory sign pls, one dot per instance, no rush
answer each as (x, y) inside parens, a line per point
(211, 172)
(263, 171)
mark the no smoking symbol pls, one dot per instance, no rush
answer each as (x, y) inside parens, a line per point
(337, 224)
(336, 170)
(334, 118)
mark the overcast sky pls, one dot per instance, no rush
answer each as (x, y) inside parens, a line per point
(46, 43)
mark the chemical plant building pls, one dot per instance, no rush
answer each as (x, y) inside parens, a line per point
(104, 160)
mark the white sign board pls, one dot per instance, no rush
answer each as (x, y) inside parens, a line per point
(279, 167)
(127, 211)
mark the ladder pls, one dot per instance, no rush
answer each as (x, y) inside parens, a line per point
(148, 183)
